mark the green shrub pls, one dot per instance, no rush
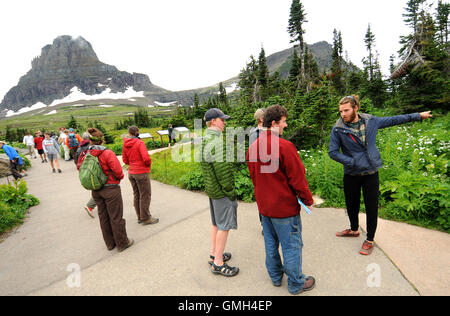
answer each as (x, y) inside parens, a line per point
(14, 204)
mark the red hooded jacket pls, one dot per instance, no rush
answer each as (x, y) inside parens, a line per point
(278, 178)
(135, 154)
(109, 162)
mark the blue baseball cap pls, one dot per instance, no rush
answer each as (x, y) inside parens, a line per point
(215, 113)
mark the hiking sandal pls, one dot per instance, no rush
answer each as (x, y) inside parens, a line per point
(224, 270)
(347, 233)
(226, 257)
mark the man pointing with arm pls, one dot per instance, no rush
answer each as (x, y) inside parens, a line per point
(353, 144)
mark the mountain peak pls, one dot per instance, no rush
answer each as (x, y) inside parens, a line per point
(66, 63)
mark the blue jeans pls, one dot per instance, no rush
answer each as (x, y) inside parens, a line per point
(288, 232)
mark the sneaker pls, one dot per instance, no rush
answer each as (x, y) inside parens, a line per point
(367, 248)
(59, 171)
(347, 233)
(54, 171)
(151, 220)
(90, 211)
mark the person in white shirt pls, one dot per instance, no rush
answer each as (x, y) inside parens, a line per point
(28, 140)
(62, 141)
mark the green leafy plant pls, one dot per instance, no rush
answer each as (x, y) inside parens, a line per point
(14, 204)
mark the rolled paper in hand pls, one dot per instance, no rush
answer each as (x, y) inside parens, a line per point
(307, 210)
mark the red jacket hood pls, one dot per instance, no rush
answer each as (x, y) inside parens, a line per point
(129, 142)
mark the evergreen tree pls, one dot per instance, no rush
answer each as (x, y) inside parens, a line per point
(248, 82)
(222, 94)
(9, 137)
(442, 12)
(316, 113)
(369, 40)
(337, 63)
(141, 118)
(427, 85)
(294, 72)
(73, 123)
(296, 30)
(263, 70)
(198, 111)
(411, 18)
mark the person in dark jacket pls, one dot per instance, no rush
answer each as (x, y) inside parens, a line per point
(355, 135)
(135, 154)
(279, 179)
(172, 135)
(109, 198)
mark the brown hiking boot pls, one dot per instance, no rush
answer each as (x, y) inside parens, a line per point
(367, 248)
(310, 283)
(151, 220)
(130, 243)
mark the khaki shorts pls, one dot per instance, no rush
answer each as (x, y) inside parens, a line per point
(223, 213)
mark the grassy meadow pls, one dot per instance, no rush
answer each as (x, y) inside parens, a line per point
(37, 119)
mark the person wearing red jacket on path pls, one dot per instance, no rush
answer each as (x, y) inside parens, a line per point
(135, 154)
(278, 177)
(109, 198)
(38, 143)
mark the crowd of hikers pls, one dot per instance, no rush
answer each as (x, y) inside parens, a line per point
(276, 170)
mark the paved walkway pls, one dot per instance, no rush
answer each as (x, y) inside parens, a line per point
(41, 257)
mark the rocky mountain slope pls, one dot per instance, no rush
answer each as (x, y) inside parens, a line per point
(70, 65)
(66, 63)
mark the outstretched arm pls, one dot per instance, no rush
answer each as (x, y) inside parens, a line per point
(384, 122)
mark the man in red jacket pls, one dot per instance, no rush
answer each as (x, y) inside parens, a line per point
(135, 154)
(278, 177)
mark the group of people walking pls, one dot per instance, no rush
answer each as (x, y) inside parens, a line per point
(280, 184)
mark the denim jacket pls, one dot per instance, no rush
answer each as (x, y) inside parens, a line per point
(356, 156)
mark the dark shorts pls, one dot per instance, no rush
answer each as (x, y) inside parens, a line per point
(223, 213)
(40, 151)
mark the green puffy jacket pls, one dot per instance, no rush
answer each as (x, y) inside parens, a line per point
(218, 174)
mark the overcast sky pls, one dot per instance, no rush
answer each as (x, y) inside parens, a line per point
(185, 44)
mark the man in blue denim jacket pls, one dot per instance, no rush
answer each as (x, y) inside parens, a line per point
(355, 135)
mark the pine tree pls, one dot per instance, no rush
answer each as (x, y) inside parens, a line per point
(442, 12)
(222, 94)
(427, 85)
(296, 30)
(369, 40)
(411, 18)
(294, 72)
(337, 63)
(73, 123)
(263, 70)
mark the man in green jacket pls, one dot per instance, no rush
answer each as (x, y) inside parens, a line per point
(218, 175)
